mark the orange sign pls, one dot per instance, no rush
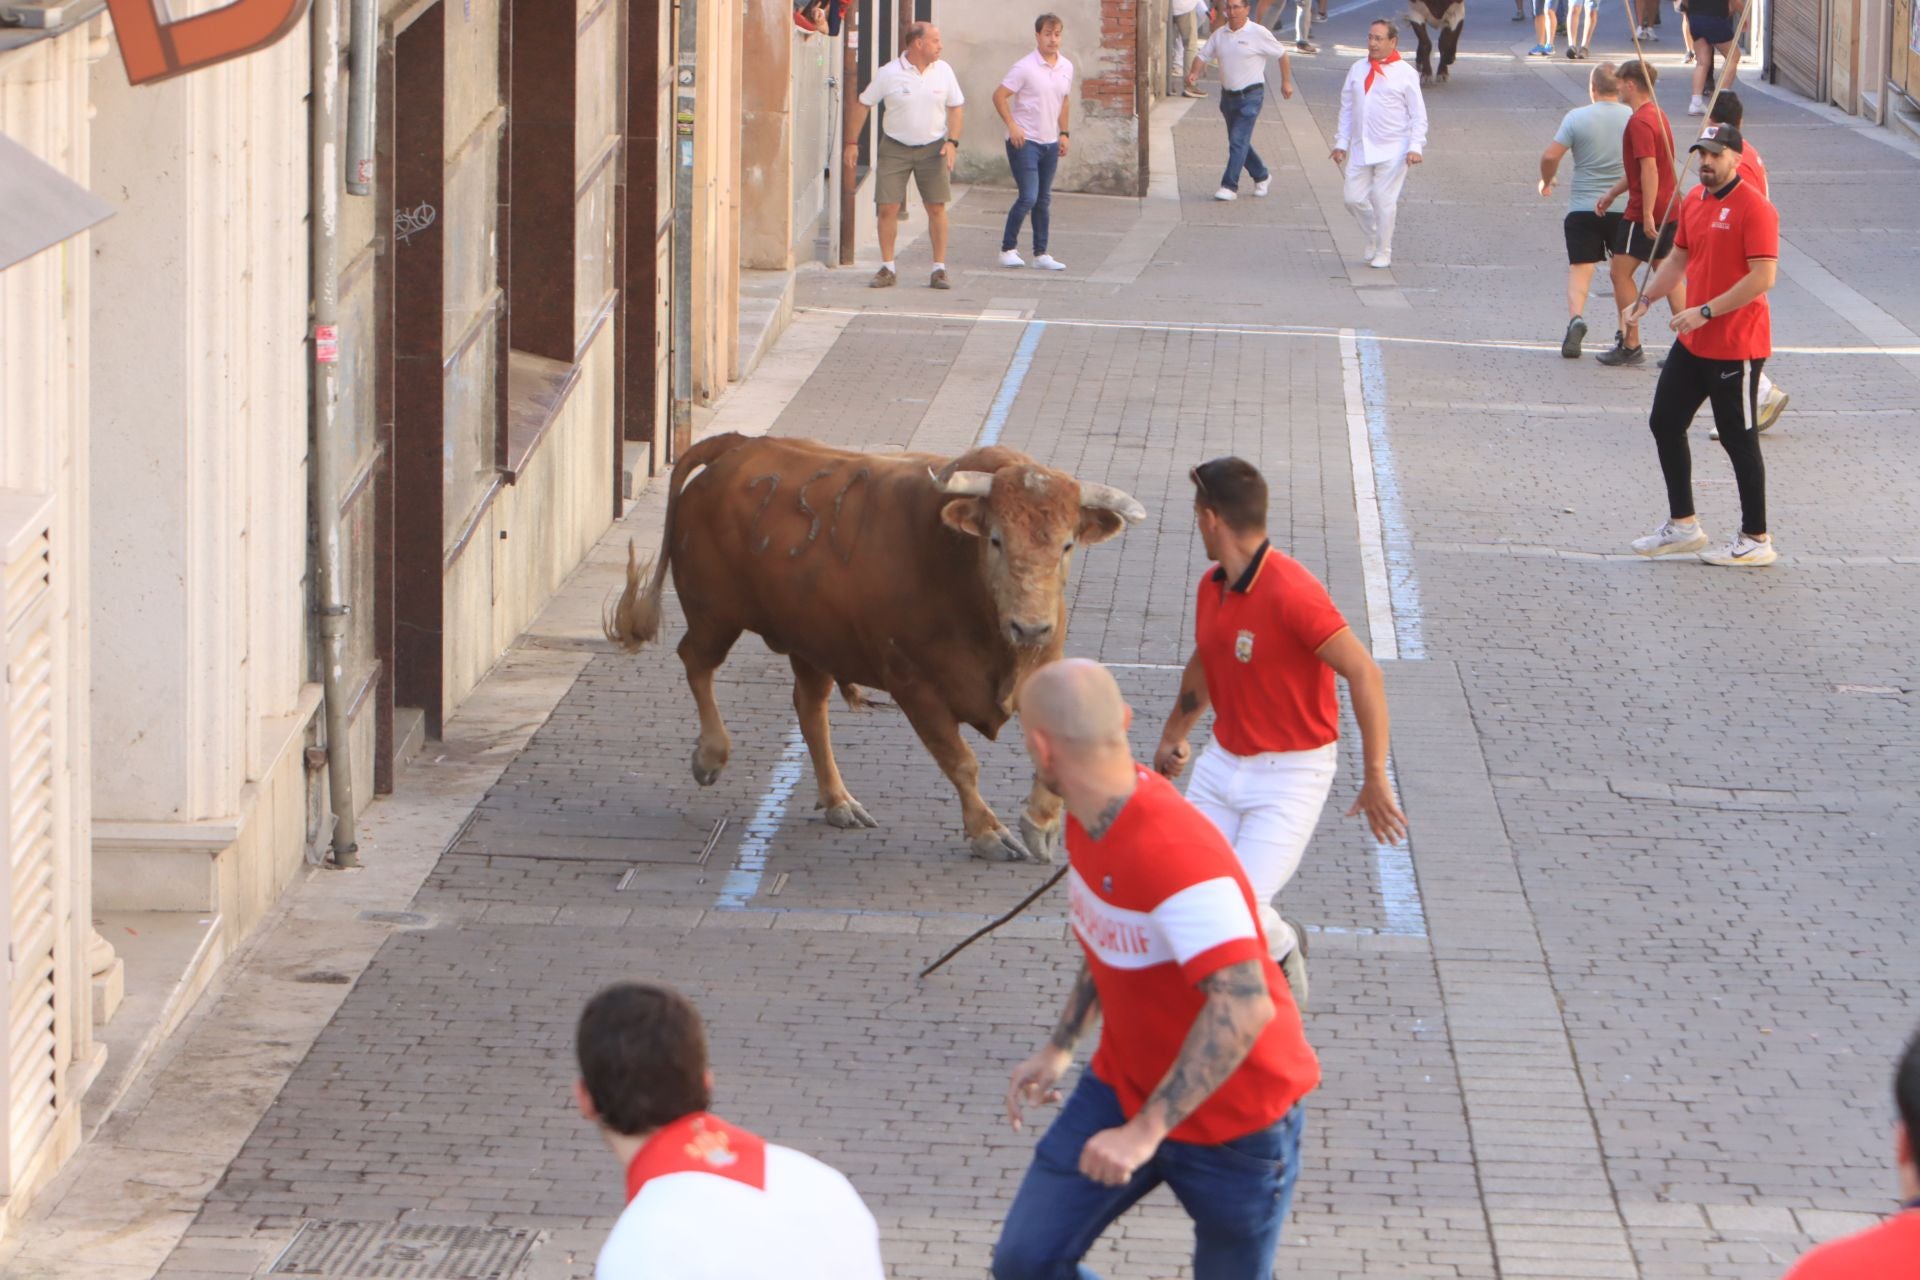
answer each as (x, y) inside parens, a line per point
(155, 48)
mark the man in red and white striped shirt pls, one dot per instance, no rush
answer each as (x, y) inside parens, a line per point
(1202, 1062)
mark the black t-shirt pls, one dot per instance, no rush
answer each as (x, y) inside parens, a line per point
(1709, 9)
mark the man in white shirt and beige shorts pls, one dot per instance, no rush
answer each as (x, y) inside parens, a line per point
(919, 138)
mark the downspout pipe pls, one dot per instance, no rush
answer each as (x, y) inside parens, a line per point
(365, 30)
(329, 549)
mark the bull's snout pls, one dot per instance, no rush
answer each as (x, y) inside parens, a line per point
(1028, 633)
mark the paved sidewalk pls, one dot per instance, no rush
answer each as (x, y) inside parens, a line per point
(1625, 1009)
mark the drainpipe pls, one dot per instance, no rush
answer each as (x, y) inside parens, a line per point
(849, 93)
(330, 568)
(360, 80)
(686, 97)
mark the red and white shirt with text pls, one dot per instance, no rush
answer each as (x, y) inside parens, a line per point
(1160, 903)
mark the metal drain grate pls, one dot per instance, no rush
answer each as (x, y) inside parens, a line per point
(404, 1251)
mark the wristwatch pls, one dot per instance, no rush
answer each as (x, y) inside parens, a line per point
(1065, 134)
(1706, 311)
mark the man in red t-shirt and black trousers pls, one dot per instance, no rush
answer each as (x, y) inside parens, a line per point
(1728, 246)
(1202, 1063)
(1891, 1250)
(1646, 233)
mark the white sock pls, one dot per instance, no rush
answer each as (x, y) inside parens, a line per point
(939, 266)
(889, 266)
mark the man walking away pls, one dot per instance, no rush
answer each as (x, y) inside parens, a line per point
(1302, 25)
(1383, 129)
(1893, 1247)
(705, 1200)
(1184, 38)
(1545, 17)
(1593, 134)
(1242, 49)
(1267, 644)
(1648, 178)
(1202, 1064)
(919, 138)
(1727, 246)
(1034, 101)
(1449, 18)
(1728, 109)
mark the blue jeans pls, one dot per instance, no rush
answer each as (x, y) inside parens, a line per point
(1237, 1195)
(1033, 165)
(1241, 108)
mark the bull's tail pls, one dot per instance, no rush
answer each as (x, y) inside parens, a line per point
(635, 617)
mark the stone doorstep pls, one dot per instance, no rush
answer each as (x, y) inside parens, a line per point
(170, 958)
(765, 311)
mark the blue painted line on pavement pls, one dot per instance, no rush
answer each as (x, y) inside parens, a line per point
(1403, 580)
(1010, 384)
(742, 884)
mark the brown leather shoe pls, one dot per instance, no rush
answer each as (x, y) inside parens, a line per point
(882, 279)
(938, 280)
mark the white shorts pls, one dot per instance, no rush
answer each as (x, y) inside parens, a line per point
(1267, 807)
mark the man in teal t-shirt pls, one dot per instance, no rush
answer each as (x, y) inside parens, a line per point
(1593, 134)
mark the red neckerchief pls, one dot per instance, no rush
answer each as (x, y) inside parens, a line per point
(699, 1143)
(1378, 67)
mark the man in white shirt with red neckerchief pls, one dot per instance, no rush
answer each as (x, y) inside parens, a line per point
(1383, 129)
(1268, 643)
(706, 1200)
(1242, 48)
(1202, 1064)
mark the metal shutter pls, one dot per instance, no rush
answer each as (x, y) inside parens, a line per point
(1796, 33)
(34, 1050)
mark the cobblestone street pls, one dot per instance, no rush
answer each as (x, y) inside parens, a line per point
(1626, 1006)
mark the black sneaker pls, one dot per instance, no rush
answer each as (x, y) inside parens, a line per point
(1570, 345)
(1621, 355)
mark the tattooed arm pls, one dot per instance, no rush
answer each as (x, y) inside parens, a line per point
(1172, 756)
(1238, 1008)
(1034, 1080)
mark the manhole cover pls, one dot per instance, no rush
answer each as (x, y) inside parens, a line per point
(405, 1251)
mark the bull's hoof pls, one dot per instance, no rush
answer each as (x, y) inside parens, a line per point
(850, 816)
(999, 845)
(1042, 842)
(702, 774)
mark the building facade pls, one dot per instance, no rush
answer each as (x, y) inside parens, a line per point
(495, 381)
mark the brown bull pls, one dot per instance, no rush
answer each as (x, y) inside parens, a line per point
(867, 569)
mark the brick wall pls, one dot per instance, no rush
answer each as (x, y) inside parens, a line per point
(1113, 89)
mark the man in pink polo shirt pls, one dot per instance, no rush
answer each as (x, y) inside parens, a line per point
(1034, 101)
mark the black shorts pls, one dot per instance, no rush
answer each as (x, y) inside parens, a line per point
(1632, 241)
(1591, 236)
(1715, 29)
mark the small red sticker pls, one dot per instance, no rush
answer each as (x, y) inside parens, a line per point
(326, 344)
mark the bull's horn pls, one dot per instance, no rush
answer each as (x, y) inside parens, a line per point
(1104, 497)
(968, 484)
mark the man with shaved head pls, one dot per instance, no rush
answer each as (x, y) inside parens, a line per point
(1202, 1064)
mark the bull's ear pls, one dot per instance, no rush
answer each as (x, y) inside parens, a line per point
(1098, 524)
(966, 515)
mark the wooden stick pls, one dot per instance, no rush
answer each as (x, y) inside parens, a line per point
(978, 934)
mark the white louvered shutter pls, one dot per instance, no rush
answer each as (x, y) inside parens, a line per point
(34, 1062)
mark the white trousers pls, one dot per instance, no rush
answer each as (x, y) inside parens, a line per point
(1267, 807)
(1373, 195)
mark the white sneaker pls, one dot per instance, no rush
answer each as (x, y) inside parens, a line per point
(1697, 106)
(1047, 262)
(1012, 258)
(1381, 259)
(1226, 193)
(1770, 410)
(1371, 252)
(1743, 553)
(1260, 188)
(1672, 539)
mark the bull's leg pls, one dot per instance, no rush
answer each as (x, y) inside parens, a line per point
(933, 720)
(812, 691)
(702, 650)
(1040, 824)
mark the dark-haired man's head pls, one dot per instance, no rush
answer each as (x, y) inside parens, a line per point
(1906, 1100)
(1637, 78)
(1727, 109)
(1229, 503)
(643, 1060)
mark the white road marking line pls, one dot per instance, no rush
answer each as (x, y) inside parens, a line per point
(743, 882)
(1366, 504)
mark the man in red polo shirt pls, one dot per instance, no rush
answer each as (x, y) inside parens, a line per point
(1890, 1251)
(1202, 1063)
(1268, 642)
(706, 1200)
(1728, 109)
(1728, 247)
(1646, 233)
